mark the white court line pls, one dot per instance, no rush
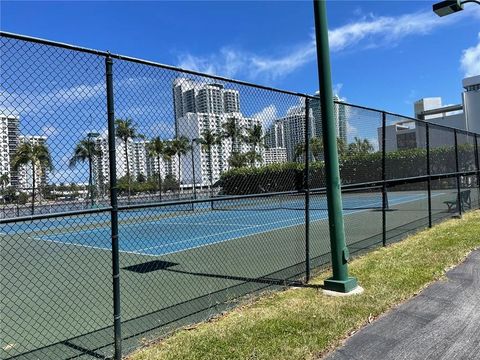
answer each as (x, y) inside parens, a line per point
(396, 202)
(201, 224)
(285, 227)
(89, 246)
(221, 233)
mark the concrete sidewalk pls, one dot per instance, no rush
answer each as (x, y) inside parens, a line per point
(442, 322)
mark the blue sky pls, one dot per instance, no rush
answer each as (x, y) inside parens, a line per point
(385, 54)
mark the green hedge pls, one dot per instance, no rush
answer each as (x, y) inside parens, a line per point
(356, 168)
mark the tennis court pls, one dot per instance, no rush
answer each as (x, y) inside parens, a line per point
(180, 264)
(160, 236)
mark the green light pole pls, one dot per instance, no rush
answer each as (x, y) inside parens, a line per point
(340, 281)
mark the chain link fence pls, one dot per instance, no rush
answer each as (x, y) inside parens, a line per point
(137, 198)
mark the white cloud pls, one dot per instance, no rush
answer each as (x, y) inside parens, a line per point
(266, 115)
(368, 32)
(49, 130)
(383, 30)
(470, 60)
(227, 62)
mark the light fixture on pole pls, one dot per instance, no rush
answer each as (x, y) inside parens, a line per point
(448, 7)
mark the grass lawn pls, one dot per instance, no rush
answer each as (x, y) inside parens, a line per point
(303, 323)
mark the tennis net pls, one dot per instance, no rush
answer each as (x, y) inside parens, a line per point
(352, 199)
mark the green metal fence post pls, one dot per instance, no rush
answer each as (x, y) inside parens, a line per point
(384, 178)
(340, 281)
(117, 322)
(429, 181)
(457, 170)
(306, 185)
(477, 165)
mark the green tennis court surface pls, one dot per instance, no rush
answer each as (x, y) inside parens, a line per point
(177, 267)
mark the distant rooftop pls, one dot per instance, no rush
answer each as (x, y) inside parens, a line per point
(471, 81)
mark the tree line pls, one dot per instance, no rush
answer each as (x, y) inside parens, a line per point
(38, 157)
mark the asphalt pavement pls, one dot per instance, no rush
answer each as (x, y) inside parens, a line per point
(441, 323)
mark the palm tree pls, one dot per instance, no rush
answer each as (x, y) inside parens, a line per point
(4, 180)
(255, 138)
(231, 130)
(360, 146)
(85, 151)
(238, 160)
(252, 156)
(168, 154)
(341, 147)
(207, 140)
(181, 146)
(316, 147)
(125, 131)
(156, 148)
(38, 156)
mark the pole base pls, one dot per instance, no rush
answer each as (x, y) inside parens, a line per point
(342, 286)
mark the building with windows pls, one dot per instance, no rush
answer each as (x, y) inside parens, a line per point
(139, 161)
(25, 173)
(275, 155)
(471, 103)
(289, 131)
(207, 107)
(466, 116)
(340, 113)
(9, 139)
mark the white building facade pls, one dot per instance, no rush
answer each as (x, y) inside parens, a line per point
(466, 116)
(25, 172)
(275, 155)
(140, 162)
(9, 139)
(207, 107)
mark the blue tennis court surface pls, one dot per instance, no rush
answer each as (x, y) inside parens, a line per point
(191, 230)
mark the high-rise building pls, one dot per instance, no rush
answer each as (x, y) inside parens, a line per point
(471, 103)
(275, 135)
(184, 94)
(275, 155)
(192, 126)
(25, 172)
(410, 134)
(139, 161)
(340, 114)
(289, 131)
(210, 99)
(231, 101)
(9, 137)
(139, 155)
(214, 106)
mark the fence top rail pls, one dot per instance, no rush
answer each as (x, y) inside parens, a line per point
(197, 73)
(54, 215)
(141, 61)
(410, 118)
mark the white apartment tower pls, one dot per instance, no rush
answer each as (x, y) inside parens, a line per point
(140, 163)
(275, 155)
(289, 131)
(25, 176)
(208, 107)
(9, 138)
